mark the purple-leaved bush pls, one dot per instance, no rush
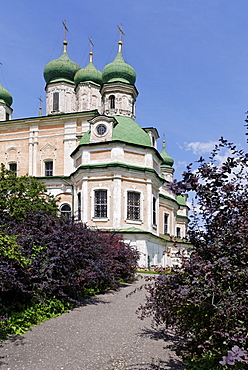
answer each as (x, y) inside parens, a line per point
(206, 302)
(65, 260)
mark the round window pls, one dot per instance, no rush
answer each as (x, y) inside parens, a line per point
(101, 129)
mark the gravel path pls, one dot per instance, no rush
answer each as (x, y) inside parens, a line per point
(104, 334)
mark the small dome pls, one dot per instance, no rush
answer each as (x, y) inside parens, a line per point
(88, 74)
(126, 130)
(60, 69)
(5, 96)
(119, 70)
(167, 160)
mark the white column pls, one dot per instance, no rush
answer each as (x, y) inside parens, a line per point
(117, 201)
(30, 154)
(85, 198)
(148, 217)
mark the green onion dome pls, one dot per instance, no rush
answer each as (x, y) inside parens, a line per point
(5, 96)
(88, 74)
(119, 70)
(167, 160)
(62, 69)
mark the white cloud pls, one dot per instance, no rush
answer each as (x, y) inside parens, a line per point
(200, 148)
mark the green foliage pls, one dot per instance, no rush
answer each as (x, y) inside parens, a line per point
(9, 249)
(19, 321)
(21, 195)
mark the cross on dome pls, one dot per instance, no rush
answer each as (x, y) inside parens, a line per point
(121, 34)
(65, 30)
(91, 49)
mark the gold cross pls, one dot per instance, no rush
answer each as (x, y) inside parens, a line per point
(121, 32)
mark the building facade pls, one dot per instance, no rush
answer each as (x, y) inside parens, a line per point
(105, 169)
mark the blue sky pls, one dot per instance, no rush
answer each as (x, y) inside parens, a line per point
(190, 56)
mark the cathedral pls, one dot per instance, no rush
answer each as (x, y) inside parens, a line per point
(104, 168)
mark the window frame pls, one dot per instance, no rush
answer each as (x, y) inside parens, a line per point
(178, 232)
(133, 210)
(79, 199)
(166, 224)
(48, 172)
(154, 211)
(67, 213)
(112, 102)
(13, 170)
(100, 204)
(56, 101)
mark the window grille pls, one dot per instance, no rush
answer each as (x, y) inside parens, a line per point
(133, 205)
(49, 168)
(100, 206)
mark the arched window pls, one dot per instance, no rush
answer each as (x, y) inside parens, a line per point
(112, 101)
(65, 210)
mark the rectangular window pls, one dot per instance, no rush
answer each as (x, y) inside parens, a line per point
(7, 116)
(166, 223)
(49, 168)
(154, 214)
(79, 206)
(100, 205)
(133, 205)
(13, 167)
(178, 232)
(56, 101)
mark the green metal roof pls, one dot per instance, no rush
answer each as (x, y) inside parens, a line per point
(119, 71)
(88, 74)
(129, 131)
(5, 96)
(181, 201)
(59, 69)
(126, 130)
(167, 160)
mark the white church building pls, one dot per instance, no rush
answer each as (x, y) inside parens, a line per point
(105, 169)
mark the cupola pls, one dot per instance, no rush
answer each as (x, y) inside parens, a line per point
(5, 96)
(88, 83)
(6, 101)
(88, 74)
(60, 88)
(61, 69)
(119, 70)
(118, 90)
(167, 160)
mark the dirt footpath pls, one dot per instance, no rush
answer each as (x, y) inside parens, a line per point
(104, 334)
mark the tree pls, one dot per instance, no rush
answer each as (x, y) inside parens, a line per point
(206, 302)
(21, 195)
